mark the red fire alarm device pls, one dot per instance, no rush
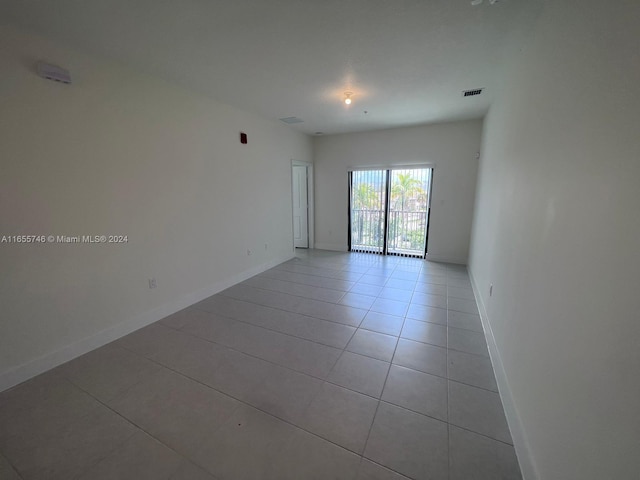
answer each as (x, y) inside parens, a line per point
(243, 137)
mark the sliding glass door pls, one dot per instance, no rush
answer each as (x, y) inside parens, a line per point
(389, 211)
(368, 200)
(408, 211)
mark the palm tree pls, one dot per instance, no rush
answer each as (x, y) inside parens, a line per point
(365, 197)
(405, 186)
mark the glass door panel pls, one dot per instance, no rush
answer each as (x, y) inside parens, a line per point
(408, 211)
(368, 197)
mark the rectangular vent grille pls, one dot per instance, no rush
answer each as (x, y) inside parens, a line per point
(53, 72)
(471, 93)
(291, 120)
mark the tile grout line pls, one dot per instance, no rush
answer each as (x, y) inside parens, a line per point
(209, 387)
(266, 328)
(324, 380)
(15, 469)
(282, 309)
(398, 338)
(286, 367)
(267, 276)
(375, 414)
(128, 420)
(446, 377)
(244, 402)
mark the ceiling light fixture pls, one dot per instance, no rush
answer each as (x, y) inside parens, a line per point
(347, 97)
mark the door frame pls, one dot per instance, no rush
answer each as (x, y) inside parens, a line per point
(310, 196)
(389, 168)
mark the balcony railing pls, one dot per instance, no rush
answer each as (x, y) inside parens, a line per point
(367, 230)
(407, 231)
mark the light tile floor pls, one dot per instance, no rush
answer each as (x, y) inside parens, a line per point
(328, 366)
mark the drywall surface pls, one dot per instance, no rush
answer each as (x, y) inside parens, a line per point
(120, 153)
(450, 147)
(556, 231)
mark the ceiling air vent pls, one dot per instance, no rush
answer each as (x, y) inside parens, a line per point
(291, 120)
(471, 93)
(53, 72)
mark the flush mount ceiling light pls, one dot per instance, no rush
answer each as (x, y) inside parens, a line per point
(347, 97)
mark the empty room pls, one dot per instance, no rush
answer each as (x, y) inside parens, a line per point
(302, 239)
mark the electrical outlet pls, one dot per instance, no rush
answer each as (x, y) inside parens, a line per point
(249, 252)
(491, 289)
(266, 246)
(152, 283)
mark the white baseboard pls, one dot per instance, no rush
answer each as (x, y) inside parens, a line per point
(34, 367)
(446, 259)
(336, 247)
(523, 451)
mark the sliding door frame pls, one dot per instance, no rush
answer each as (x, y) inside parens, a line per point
(388, 169)
(350, 174)
(385, 238)
(426, 241)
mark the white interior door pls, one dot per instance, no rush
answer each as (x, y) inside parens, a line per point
(300, 206)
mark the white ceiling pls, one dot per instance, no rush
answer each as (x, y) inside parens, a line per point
(406, 61)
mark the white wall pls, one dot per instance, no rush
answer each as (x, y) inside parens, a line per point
(118, 152)
(557, 232)
(451, 147)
